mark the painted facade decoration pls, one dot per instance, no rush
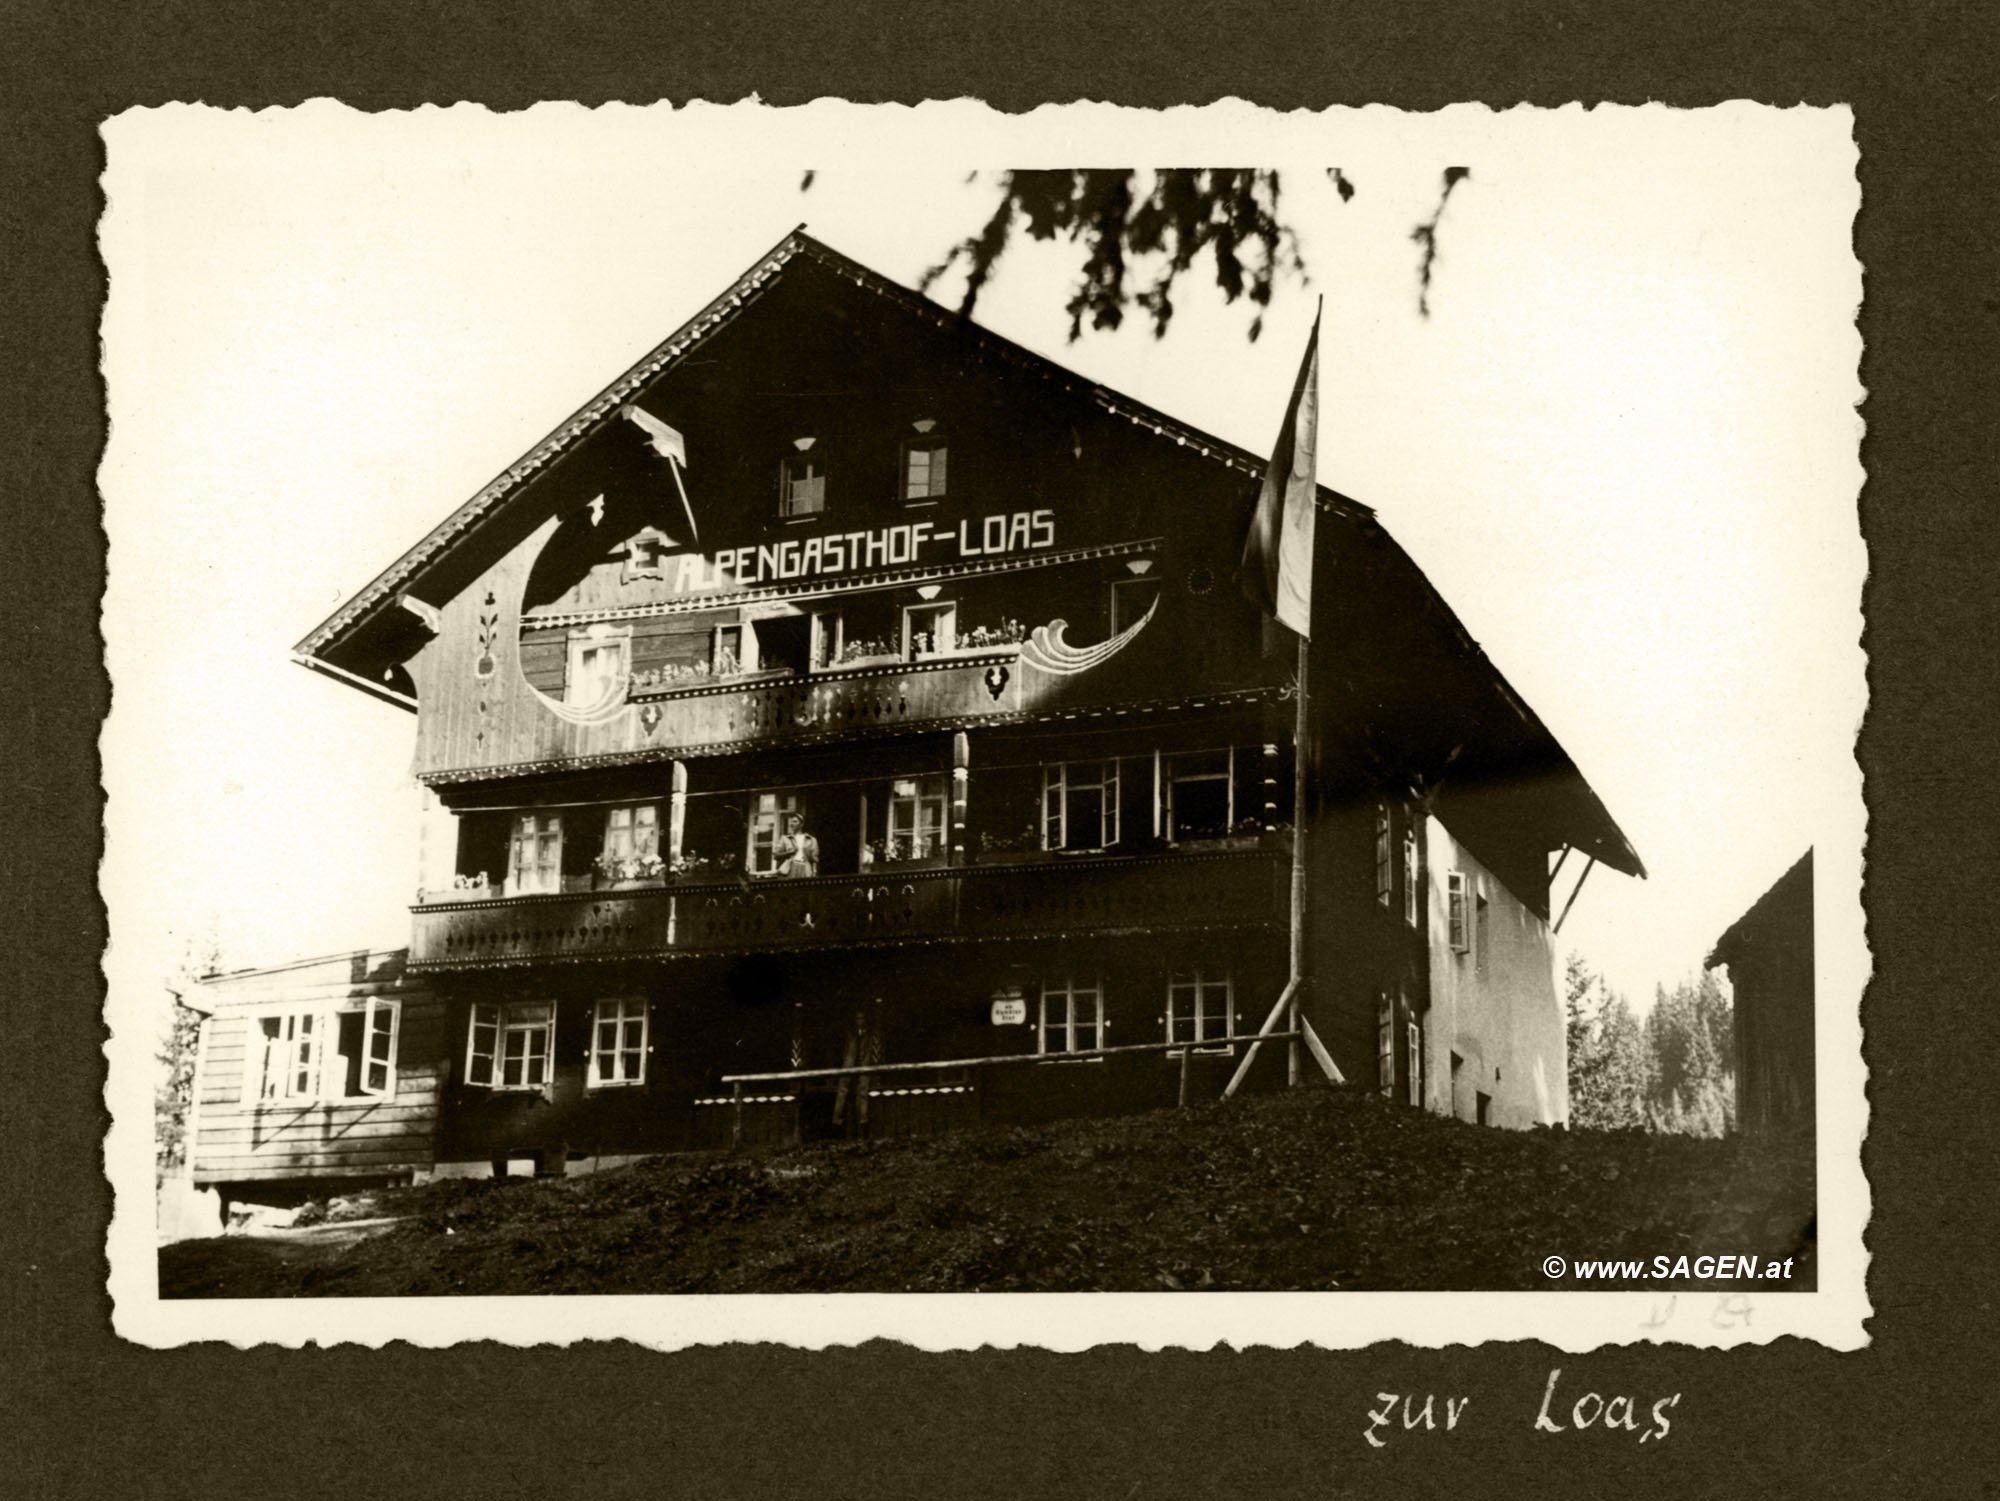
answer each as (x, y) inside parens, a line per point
(898, 710)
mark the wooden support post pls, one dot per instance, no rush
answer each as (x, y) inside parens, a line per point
(1574, 892)
(736, 1115)
(1186, 1053)
(677, 808)
(1298, 902)
(1250, 1054)
(961, 777)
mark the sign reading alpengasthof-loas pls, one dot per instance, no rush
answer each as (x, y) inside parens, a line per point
(909, 544)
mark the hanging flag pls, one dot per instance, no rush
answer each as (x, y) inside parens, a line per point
(1278, 553)
(671, 446)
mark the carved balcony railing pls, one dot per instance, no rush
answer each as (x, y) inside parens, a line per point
(1180, 891)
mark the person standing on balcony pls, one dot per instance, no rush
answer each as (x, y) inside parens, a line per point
(797, 853)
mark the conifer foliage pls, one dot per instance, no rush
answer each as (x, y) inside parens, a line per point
(1674, 1071)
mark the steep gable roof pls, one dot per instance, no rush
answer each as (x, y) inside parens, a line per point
(385, 588)
(1590, 824)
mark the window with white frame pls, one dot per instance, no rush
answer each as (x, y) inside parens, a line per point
(324, 1053)
(768, 812)
(1071, 1016)
(599, 660)
(1201, 1009)
(725, 651)
(1385, 859)
(829, 637)
(1201, 794)
(1414, 1061)
(924, 468)
(1412, 876)
(1385, 1044)
(534, 860)
(916, 818)
(509, 1043)
(930, 630)
(631, 841)
(1482, 938)
(618, 1039)
(802, 485)
(1080, 805)
(1455, 914)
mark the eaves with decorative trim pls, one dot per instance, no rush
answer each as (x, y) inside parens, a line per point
(718, 313)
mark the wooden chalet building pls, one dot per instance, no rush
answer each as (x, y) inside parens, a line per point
(1769, 954)
(846, 685)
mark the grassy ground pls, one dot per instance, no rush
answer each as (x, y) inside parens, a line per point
(1315, 1188)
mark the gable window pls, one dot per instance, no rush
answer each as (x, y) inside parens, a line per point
(1385, 860)
(916, 818)
(1080, 805)
(1412, 876)
(768, 812)
(924, 469)
(1482, 938)
(802, 485)
(599, 661)
(1201, 795)
(1130, 600)
(929, 630)
(534, 861)
(645, 555)
(508, 1044)
(1071, 1016)
(1201, 1009)
(618, 1042)
(631, 842)
(325, 1053)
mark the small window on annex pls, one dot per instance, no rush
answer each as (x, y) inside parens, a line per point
(1080, 805)
(508, 1044)
(618, 1042)
(1071, 1016)
(324, 1053)
(923, 465)
(1201, 795)
(802, 483)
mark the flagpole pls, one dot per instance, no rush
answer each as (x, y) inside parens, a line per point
(1298, 934)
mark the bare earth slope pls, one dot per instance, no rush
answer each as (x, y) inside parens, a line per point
(1315, 1188)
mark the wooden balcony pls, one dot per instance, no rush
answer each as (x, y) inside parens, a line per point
(1179, 891)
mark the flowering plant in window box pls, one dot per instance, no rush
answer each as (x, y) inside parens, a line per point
(630, 870)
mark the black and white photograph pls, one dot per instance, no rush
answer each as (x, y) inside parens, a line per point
(848, 702)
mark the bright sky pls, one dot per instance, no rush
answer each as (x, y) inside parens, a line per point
(1623, 446)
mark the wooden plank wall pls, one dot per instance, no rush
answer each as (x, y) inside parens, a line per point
(240, 1140)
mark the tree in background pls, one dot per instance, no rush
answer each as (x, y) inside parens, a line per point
(173, 1095)
(1690, 1035)
(1675, 1071)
